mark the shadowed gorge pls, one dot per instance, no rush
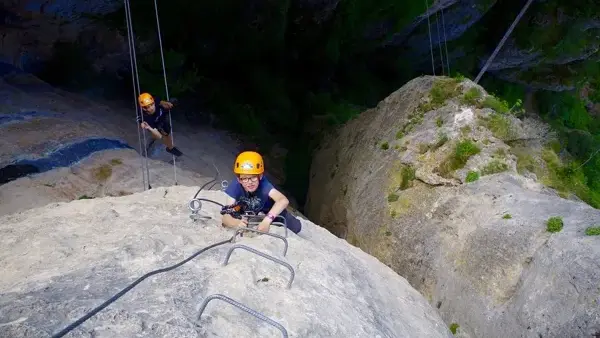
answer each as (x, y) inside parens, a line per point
(284, 73)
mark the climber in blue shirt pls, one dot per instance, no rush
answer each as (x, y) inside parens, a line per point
(155, 117)
(257, 194)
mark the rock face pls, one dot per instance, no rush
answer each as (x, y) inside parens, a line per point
(62, 260)
(394, 182)
(57, 146)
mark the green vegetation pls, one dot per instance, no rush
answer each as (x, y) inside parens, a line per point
(442, 139)
(554, 224)
(472, 176)
(393, 197)
(493, 167)
(471, 97)
(385, 146)
(454, 327)
(569, 178)
(592, 231)
(462, 152)
(507, 216)
(102, 173)
(499, 125)
(442, 90)
(408, 175)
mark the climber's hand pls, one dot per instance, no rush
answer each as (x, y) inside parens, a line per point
(263, 226)
(243, 222)
(166, 104)
(145, 125)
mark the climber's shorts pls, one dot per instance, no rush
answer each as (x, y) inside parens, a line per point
(291, 221)
(164, 128)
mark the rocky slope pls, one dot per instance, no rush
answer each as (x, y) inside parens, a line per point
(61, 260)
(429, 183)
(59, 146)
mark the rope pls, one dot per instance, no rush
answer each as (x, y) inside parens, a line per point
(445, 43)
(506, 35)
(136, 90)
(439, 38)
(166, 86)
(135, 97)
(430, 42)
(99, 308)
(132, 285)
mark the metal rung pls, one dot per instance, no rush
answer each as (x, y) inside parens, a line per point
(254, 219)
(283, 224)
(243, 308)
(262, 254)
(285, 242)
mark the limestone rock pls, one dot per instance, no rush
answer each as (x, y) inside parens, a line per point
(393, 181)
(62, 260)
(74, 147)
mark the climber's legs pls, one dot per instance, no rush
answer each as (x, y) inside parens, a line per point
(292, 222)
(167, 138)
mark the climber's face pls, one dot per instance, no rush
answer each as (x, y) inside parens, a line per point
(149, 108)
(249, 182)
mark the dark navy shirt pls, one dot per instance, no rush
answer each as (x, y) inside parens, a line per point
(257, 201)
(159, 117)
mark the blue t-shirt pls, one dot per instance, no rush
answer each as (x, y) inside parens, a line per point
(154, 120)
(257, 201)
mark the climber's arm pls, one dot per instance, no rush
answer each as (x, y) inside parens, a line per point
(166, 104)
(281, 202)
(155, 132)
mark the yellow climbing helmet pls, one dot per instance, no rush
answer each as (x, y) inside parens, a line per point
(145, 99)
(249, 163)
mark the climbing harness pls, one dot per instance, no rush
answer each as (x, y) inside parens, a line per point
(209, 298)
(506, 35)
(136, 90)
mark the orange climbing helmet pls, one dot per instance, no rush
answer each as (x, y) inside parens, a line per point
(249, 163)
(145, 99)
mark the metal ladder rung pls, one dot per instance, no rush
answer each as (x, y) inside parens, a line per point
(279, 220)
(262, 254)
(244, 308)
(285, 242)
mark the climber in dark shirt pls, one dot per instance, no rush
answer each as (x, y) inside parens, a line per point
(258, 194)
(156, 119)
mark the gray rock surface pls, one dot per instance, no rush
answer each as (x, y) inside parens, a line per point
(62, 260)
(478, 251)
(62, 118)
